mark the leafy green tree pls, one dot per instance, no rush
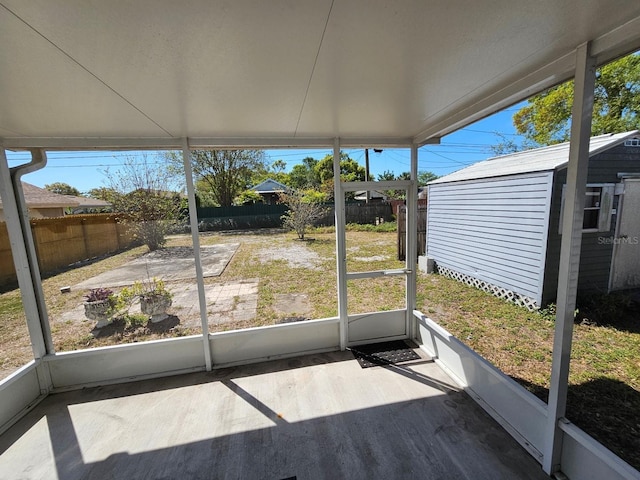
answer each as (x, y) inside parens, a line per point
(350, 171)
(275, 171)
(103, 193)
(62, 188)
(386, 176)
(304, 174)
(226, 173)
(146, 196)
(248, 196)
(204, 198)
(426, 177)
(546, 119)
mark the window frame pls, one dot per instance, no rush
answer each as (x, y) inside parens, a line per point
(605, 208)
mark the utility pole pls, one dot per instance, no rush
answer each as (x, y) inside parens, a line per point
(366, 172)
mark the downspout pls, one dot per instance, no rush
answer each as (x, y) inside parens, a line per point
(38, 162)
(25, 260)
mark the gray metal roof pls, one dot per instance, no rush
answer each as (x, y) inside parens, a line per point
(537, 160)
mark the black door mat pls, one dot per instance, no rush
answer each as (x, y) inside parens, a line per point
(385, 353)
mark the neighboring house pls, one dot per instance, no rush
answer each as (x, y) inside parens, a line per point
(43, 203)
(89, 205)
(496, 224)
(374, 196)
(270, 190)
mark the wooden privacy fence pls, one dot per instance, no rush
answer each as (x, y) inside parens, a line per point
(402, 229)
(65, 240)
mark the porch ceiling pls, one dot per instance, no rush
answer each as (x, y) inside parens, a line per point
(149, 72)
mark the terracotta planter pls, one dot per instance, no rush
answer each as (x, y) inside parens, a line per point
(155, 306)
(99, 311)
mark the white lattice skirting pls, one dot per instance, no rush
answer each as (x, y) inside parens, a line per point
(500, 292)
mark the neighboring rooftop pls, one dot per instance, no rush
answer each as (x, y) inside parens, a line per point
(37, 197)
(537, 160)
(87, 203)
(270, 186)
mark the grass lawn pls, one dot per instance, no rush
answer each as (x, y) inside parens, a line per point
(604, 396)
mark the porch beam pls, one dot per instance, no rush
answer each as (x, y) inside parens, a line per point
(377, 274)
(372, 185)
(572, 221)
(341, 246)
(175, 143)
(195, 238)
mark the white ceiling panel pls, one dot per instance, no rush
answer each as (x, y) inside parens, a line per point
(284, 69)
(45, 93)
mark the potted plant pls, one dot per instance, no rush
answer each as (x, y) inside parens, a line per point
(99, 305)
(155, 299)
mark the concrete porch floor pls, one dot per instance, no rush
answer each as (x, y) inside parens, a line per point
(318, 416)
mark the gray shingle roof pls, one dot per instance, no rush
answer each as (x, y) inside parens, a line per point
(37, 197)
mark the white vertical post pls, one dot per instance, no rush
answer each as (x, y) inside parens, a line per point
(22, 248)
(411, 241)
(341, 246)
(193, 218)
(20, 258)
(570, 253)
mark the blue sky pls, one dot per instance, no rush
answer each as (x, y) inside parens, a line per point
(84, 170)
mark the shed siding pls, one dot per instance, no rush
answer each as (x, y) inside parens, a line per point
(595, 259)
(493, 229)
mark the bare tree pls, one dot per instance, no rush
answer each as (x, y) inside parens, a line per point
(303, 211)
(146, 197)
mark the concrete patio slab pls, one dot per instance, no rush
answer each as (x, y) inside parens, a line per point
(314, 417)
(168, 264)
(292, 304)
(227, 302)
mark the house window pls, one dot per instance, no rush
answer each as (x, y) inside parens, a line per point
(632, 142)
(598, 208)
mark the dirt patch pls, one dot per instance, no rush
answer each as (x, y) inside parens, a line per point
(296, 254)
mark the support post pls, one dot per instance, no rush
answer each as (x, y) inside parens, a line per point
(195, 238)
(25, 260)
(366, 174)
(570, 253)
(341, 246)
(411, 241)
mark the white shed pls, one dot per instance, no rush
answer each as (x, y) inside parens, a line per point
(495, 224)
